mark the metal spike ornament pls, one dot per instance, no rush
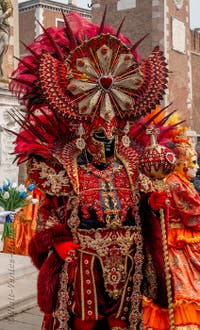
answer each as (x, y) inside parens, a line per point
(158, 161)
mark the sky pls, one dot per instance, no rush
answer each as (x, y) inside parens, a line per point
(194, 14)
(194, 10)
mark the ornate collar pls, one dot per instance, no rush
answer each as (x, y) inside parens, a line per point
(102, 174)
(183, 178)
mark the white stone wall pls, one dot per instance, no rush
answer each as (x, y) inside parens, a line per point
(7, 104)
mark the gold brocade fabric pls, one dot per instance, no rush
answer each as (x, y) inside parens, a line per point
(113, 248)
(184, 259)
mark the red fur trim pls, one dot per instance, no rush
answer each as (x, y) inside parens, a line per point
(47, 322)
(48, 281)
(37, 258)
(43, 241)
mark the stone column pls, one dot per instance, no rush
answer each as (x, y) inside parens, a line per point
(8, 103)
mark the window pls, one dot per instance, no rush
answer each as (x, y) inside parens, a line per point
(178, 36)
(60, 22)
(126, 4)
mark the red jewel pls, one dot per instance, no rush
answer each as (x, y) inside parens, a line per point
(104, 51)
(84, 109)
(106, 82)
(127, 58)
(73, 87)
(138, 81)
(107, 115)
(170, 157)
(81, 63)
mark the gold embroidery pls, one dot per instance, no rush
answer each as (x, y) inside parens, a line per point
(82, 289)
(94, 288)
(182, 327)
(176, 225)
(189, 240)
(188, 327)
(103, 238)
(54, 180)
(61, 313)
(113, 249)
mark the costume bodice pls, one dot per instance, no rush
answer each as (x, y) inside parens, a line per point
(106, 194)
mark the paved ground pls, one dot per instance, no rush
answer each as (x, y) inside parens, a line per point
(30, 319)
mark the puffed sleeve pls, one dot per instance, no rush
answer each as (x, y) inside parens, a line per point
(51, 228)
(184, 204)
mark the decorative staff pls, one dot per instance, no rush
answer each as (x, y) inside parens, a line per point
(157, 162)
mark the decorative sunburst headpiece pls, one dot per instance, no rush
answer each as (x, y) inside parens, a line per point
(101, 77)
(78, 75)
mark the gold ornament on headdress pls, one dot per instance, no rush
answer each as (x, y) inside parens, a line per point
(125, 138)
(80, 142)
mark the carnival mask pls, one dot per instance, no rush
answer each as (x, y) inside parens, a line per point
(192, 167)
(101, 139)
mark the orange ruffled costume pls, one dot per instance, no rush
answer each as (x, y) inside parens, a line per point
(184, 259)
(24, 227)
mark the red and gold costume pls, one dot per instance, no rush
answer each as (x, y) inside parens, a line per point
(84, 88)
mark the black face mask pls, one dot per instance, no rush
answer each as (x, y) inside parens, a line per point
(108, 143)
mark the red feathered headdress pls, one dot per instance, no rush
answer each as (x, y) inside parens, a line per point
(81, 72)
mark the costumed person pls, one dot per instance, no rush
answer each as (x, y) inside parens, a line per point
(84, 86)
(17, 235)
(196, 179)
(183, 238)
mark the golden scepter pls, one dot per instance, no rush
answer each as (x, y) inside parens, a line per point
(156, 163)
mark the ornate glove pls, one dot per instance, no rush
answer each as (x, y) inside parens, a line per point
(66, 249)
(158, 200)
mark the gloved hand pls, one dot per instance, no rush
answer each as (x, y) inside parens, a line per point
(158, 200)
(7, 216)
(66, 249)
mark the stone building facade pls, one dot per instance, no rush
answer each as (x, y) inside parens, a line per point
(47, 12)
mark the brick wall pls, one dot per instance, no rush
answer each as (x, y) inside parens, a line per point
(50, 17)
(195, 40)
(195, 59)
(136, 24)
(179, 62)
(46, 12)
(26, 29)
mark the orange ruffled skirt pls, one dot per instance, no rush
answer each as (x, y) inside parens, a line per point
(186, 315)
(184, 259)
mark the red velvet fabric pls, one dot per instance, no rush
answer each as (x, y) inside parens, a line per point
(153, 243)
